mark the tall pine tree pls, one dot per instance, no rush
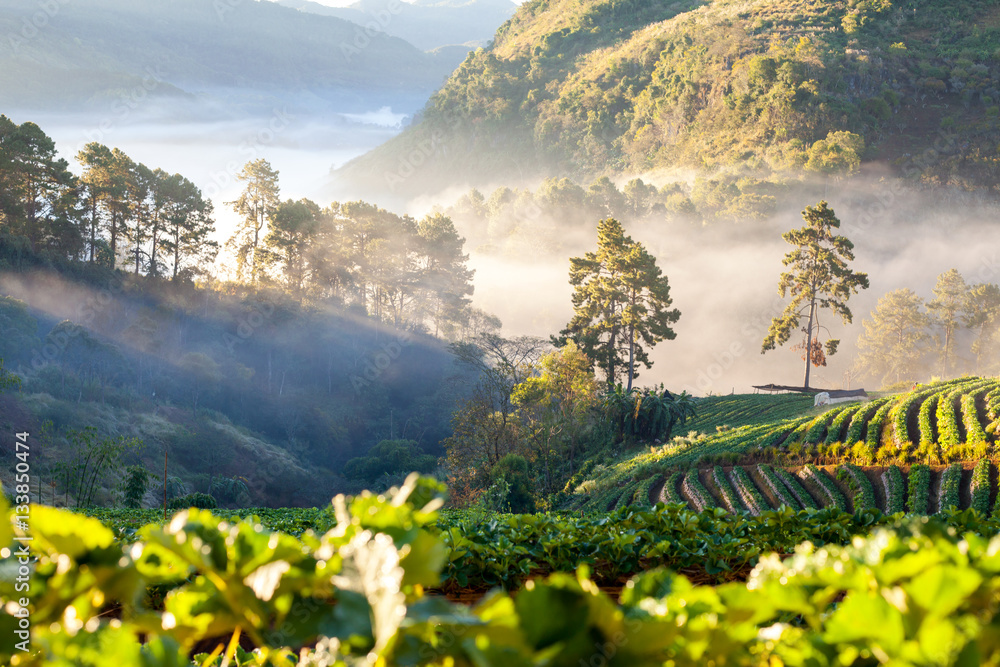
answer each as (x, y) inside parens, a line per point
(818, 277)
(621, 303)
(256, 204)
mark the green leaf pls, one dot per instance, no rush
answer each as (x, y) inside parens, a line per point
(866, 618)
(943, 589)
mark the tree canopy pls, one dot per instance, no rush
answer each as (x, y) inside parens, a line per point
(818, 278)
(621, 303)
(895, 337)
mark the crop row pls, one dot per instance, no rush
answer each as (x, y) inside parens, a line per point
(895, 490)
(862, 494)
(738, 489)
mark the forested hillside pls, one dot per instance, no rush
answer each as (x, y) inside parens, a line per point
(130, 352)
(588, 88)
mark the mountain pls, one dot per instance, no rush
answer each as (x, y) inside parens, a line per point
(733, 86)
(428, 24)
(249, 55)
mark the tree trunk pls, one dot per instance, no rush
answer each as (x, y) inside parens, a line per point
(631, 354)
(947, 344)
(809, 340)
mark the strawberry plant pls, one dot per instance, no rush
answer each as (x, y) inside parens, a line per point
(980, 487)
(863, 496)
(833, 495)
(895, 490)
(918, 482)
(948, 487)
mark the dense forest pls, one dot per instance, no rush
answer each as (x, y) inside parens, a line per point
(770, 87)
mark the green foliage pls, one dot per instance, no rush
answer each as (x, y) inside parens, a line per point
(873, 430)
(947, 421)
(134, 485)
(834, 498)
(356, 593)
(8, 380)
(697, 492)
(975, 434)
(840, 419)
(646, 414)
(671, 492)
(621, 304)
(748, 492)
(981, 488)
(95, 459)
(860, 420)
(512, 474)
(919, 489)
(927, 434)
(771, 87)
(948, 487)
(862, 494)
(230, 490)
(387, 458)
(730, 499)
(895, 490)
(197, 500)
(784, 495)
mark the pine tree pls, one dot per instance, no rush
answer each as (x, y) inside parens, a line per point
(291, 230)
(895, 337)
(621, 302)
(947, 306)
(818, 278)
(444, 279)
(982, 313)
(256, 204)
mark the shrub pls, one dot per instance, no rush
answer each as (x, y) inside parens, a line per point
(512, 485)
(202, 501)
(134, 485)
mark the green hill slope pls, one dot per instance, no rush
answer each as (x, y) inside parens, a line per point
(612, 86)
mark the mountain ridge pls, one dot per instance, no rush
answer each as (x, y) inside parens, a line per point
(77, 56)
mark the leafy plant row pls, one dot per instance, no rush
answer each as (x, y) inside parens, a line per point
(748, 492)
(793, 484)
(783, 495)
(833, 495)
(980, 487)
(895, 490)
(697, 492)
(863, 496)
(948, 487)
(729, 498)
(670, 494)
(355, 595)
(919, 484)
(861, 419)
(843, 417)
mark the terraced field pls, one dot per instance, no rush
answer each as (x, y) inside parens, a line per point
(880, 453)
